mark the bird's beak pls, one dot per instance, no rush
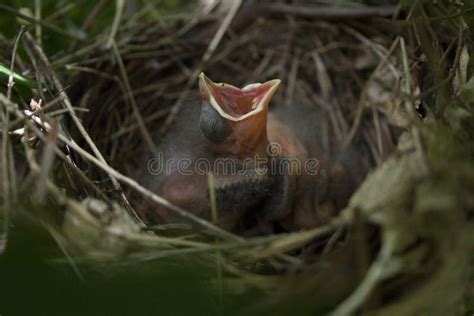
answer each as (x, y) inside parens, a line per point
(236, 104)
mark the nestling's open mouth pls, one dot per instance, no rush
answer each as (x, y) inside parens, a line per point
(237, 104)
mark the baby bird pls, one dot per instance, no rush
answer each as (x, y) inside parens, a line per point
(270, 171)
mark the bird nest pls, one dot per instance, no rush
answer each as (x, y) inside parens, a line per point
(381, 76)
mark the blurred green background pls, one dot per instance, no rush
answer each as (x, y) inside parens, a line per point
(70, 16)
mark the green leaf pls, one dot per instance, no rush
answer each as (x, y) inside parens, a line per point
(19, 79)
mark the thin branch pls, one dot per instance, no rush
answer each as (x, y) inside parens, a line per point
(11, 82)
(222, 29)
(91, 18)
(331, 12)
(129, 95)
(38, 29)
(67, 102)
(119, 6)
